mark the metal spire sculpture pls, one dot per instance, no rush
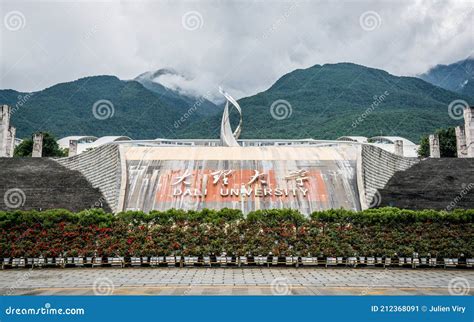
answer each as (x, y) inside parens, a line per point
(229, 138)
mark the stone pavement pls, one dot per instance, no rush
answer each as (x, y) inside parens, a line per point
(234, 281)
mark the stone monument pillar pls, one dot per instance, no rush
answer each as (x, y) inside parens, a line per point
(37, 145)
(4, 129)
(72, 148)
(399, 147)
(11, 142)
(461, 142)
(469, 130)
(434, 146)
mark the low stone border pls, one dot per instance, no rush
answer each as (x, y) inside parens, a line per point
(236, 261)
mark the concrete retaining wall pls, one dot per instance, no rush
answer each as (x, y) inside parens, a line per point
(102, 168)
(375, 168)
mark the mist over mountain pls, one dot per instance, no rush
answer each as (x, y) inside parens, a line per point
(457, 77)
(321, 102)
(174, 89)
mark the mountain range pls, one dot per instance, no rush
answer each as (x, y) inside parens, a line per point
(457, 77)
(173, 97)
(333, 100)
(323, 101)
(68, 109)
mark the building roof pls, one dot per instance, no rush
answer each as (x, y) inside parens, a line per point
(64, 142)
(108, 139)
(101, 141)
(360, 139)
(392, 139)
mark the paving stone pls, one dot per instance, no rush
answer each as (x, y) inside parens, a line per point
(229, 280)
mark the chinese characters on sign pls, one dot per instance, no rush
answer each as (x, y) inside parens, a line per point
(256, 177)
(217, 175)
(256, 185)
(300, 176)
(183, 179)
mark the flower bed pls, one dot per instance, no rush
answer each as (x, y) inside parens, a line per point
(374, 233)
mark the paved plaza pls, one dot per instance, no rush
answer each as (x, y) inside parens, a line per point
(233, 281)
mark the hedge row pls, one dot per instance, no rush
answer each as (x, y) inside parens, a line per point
(375, 232)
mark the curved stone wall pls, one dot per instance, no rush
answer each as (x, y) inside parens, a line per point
(103, 169)
(376, 167)
(129, 177)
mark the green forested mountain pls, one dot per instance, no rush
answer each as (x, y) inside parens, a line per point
(67, 109)
(150, 80)
(326, 102)
(457, 77)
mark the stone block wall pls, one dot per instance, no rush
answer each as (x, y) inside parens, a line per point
(102, 168)
(4, 129)
(10, 148)
(469, 130)
(376, 167)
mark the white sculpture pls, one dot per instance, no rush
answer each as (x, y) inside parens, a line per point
(227, 137)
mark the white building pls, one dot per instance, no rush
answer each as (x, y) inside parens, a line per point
(87, 142)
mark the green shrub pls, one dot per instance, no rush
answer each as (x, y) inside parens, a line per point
(335, 232)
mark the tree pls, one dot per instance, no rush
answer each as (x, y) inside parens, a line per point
(424, 149)
(50, 147)
(447, 144)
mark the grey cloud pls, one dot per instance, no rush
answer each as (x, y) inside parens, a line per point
(245, 46)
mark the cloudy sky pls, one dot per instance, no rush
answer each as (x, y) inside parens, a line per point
(244, 45)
